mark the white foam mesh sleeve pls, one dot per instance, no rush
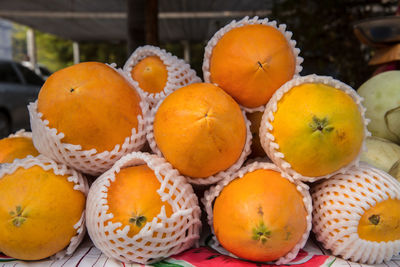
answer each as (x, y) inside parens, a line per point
(211, 194)
(339, 203)
(21, 133)
(267, 138)
(159, 238)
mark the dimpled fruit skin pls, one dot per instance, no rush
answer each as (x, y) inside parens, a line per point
(251, 62)
(35, 224)
(92, 104)
(259, 217)
(318, 128)
(200, 130)
(16, 148)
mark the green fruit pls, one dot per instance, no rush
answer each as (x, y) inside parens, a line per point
(381, 96)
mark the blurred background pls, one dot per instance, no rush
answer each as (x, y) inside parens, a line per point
(42, 36)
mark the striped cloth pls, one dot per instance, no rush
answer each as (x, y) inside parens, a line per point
(313, 255)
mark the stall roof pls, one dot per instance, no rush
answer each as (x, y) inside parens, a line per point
(106, 20)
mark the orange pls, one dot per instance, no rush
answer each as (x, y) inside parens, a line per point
(92, 104)
(318, 128)
(259, 217)
(251, 62)
(200, 130)
(133, 199)
(38, 211)
(151, 74)
(380, 223)
(16, 148)
(256, 148)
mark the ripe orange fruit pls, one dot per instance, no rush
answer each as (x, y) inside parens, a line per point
(381, 222)
(356, 214)
(259, 217)
(133, 198)
(251, 62)
(38, 211)
(318, 128)
(92, 104)
(16, 148)
(256, 148)
(200, 130)
(151, 74)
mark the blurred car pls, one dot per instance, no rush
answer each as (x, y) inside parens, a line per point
(39, 69)
(18, 87)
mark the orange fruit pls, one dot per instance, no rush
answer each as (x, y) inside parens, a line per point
(92, 104)
(251, 62)
(151, 74)
(356, 214)
(38, 211)
(381, 222)
(133, 199)
(16, 148)
(200, 130)
(259, 217)
(318, 128)
(256, 148)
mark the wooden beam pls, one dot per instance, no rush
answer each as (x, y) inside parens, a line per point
(136, 35)
(123, 15)
(151, 26)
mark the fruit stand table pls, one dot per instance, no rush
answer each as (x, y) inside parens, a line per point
(88, 255)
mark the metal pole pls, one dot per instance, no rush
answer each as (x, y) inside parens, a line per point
(31, 48)
(186, 50)
(75, 49)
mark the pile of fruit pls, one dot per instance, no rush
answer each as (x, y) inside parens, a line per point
(279, 154)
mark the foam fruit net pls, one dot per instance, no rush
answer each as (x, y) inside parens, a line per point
(21, 133)
(75, 177)
(215, 190)
(267, 138)
(213, 178)
(339, 203)
(159, 238)
(248, 21)
(179, 72)
(48, 141)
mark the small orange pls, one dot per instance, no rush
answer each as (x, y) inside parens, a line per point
(133, 199)
(151, 74)
(259, 217)
(200, 130)
(251, 62)
(92, 104)
(38, 211)
(16, 148)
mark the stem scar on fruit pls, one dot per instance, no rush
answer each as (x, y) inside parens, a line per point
(17, 218)
(261, 233)
(318, 124)
(138, 220)
(374, 219)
